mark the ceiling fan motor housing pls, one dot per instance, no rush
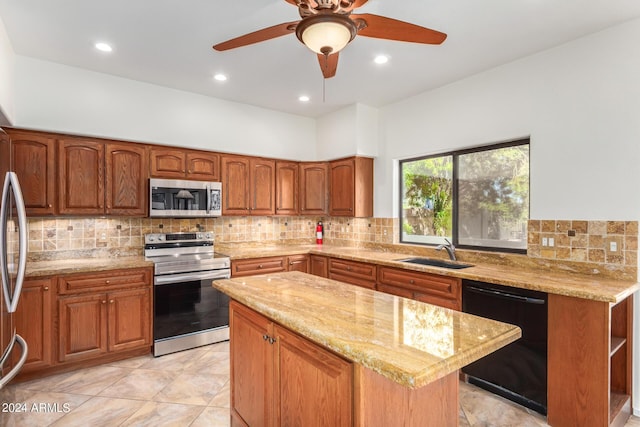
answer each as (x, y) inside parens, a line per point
(326, 33)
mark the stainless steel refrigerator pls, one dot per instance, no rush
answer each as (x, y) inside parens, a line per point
(13, 259)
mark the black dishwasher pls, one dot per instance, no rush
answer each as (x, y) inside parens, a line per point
(518, 371)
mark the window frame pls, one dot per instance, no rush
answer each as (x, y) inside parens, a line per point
(455, 154)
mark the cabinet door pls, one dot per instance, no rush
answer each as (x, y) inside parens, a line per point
(34, 162)
(314, 188)
(319, 265)
(81, 177)
(286, 188)
(235, 182)
(342, 188)
(298, 263)
(251, 366)
(126, 179)
(203, 166)
(83, 327)
(33, 320)
(263, 183)
(167, 163)
(129, 319)
(313, 386)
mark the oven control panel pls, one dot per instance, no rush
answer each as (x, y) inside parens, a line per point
(178, 237)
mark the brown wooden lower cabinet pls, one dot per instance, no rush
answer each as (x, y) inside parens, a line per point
(279, 378)
(253, 266)
(94, 324)
(589, 366)
(33, 322)
(353, 272)
(319, 265)
(298, 263)
(425, 287)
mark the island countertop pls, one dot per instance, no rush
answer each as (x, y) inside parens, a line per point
(409, 342)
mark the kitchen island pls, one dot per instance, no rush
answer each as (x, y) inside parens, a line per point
(312, 351)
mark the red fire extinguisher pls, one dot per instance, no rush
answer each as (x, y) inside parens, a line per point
(319, 233)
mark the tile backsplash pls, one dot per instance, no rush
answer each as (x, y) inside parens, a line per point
(609, 243)
(582, 243)
(59, 238)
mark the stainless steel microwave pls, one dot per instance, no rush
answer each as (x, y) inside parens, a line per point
(184, 199)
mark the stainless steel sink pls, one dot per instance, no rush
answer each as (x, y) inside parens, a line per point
(436, 263)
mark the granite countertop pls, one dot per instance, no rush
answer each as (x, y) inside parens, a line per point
(409, 342)
(558, 282)
(83, 265)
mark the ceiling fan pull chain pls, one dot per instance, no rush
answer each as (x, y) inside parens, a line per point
(324, 87)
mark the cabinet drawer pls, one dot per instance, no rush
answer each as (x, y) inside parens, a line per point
(250, 267)
(117, 279)
(432, 284)
(356, 273)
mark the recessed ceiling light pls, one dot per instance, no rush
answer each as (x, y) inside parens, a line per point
(104, 47)
(304, 98)
(381, 59)
(220, 77)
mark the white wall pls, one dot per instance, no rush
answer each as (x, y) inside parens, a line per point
(579, 102)
(7, 60)
(351, 130)
(56, 97)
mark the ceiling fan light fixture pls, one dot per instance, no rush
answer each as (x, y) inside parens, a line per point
(326, 33)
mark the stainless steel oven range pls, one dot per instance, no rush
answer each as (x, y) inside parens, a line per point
(187, 311)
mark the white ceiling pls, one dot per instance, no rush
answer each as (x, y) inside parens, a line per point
(168, 43)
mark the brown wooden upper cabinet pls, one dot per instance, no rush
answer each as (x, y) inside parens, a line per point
(184, 164)
(34, 161)
(286, 188)
(248, 185)
(87, 166)
(126, 179)
(81, 177)
(351, 191)
(314, 188)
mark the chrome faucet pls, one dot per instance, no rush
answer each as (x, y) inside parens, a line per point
(451, 250)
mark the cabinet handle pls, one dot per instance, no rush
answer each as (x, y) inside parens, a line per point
(46, 288)
(265, 337)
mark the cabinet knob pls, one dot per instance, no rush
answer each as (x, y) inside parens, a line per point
(49, 205)
(348, 268)
(290, 262)
(260, 266)
(107, 281)
(350, 209)
(46, 288)
(190, 172)
(111, 301)
(271, 340)
(104, 301)
(265, 337)
(412, 281)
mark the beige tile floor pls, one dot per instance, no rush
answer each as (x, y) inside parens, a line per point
(190, 388)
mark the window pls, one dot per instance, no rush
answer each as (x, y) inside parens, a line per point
(477, 198)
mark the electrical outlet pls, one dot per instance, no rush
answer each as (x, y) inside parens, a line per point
(103, 237)
(552, 241)
(545, 241)
(613, 246)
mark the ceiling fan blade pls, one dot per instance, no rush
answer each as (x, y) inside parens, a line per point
(258, 36)
(328, 64)
(381, 27)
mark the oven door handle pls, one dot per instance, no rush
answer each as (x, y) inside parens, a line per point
(189, 277)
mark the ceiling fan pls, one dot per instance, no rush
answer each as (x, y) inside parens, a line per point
(327, 26)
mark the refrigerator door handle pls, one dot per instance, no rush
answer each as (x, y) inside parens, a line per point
(23, 358)
(12, 184)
